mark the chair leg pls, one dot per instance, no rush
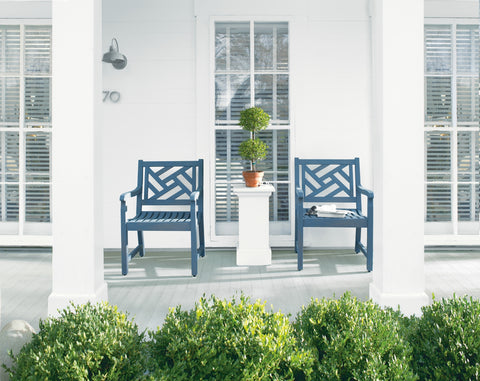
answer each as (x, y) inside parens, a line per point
(370, 247)
(140, 243)
(296, 236)
(201, 232)
(358, 235)
(194, 253)
(124, 250)
(300, 248)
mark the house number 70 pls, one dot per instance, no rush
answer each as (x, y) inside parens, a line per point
(114, 96)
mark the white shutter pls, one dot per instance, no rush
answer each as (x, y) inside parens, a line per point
(238, 85)
(229, 167)
(25, 140)
(452, 130)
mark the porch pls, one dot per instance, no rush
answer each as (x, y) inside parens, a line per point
(162, 279)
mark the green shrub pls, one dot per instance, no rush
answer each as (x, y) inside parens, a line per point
(446, 340)
(355, 340)
(227, 340)
(86, 342)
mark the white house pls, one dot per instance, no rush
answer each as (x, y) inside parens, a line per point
(394, 83)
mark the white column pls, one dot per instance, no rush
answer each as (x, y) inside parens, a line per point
(398, 93)
(77, 264)
(253, 225)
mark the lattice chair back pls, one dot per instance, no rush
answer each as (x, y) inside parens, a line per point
(168, 182)
(328, 181)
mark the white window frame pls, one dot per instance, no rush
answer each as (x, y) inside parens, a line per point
(435, 232)
(23, 233)
(232, 240)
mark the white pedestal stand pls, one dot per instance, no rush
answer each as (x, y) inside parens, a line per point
(253, 225)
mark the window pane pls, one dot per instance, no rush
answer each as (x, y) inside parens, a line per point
(37, 49)
(37, 163)
(467, 99)
(467, 49)
(37, 100)
(232, 94)
(439, 200)
(282, 46)
(438, 156)
(264, 57)
(9, 49)
(282, 98)
(10, 207)
(37, 203)
(467, 154)
(271, 46)
(271, 94)
(9, 99)
(438, 104)
(264, 93)
(438, 48)
(9, 157)
(232, 46)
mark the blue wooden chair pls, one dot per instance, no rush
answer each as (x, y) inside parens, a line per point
(337, 182)
(163, 188)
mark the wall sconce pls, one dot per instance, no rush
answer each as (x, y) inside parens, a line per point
(113, 56)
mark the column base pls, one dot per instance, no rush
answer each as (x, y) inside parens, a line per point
(254, 257)
(58, 302)
(410, 304)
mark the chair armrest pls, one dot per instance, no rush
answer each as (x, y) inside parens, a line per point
(365, 191)
(131, 193)
(299, 193)
(194, 196)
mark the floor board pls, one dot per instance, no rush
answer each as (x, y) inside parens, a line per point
(162, 280)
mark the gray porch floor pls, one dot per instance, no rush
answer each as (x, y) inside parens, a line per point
(162, 279)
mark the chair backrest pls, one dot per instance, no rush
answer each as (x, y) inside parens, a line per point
(169, 182)
(328, 181)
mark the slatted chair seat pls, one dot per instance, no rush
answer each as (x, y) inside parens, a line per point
(150, 220)
(355, 219)
(162, 186)
(337, 182)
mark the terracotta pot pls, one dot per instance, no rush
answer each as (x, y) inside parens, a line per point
(253, 178)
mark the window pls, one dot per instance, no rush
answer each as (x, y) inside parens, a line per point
(251, 69)
(25, 129)
(452, 137)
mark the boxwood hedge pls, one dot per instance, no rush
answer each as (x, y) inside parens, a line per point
(236, 339)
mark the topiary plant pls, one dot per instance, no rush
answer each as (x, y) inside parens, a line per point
(253, 119)
(446, 340)
(227, 340)
(355, 340)
(86, 342)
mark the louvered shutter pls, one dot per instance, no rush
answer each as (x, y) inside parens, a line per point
(37, 119)
(9, 173)
(238, 85)
(25, 140)
(452, 130)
